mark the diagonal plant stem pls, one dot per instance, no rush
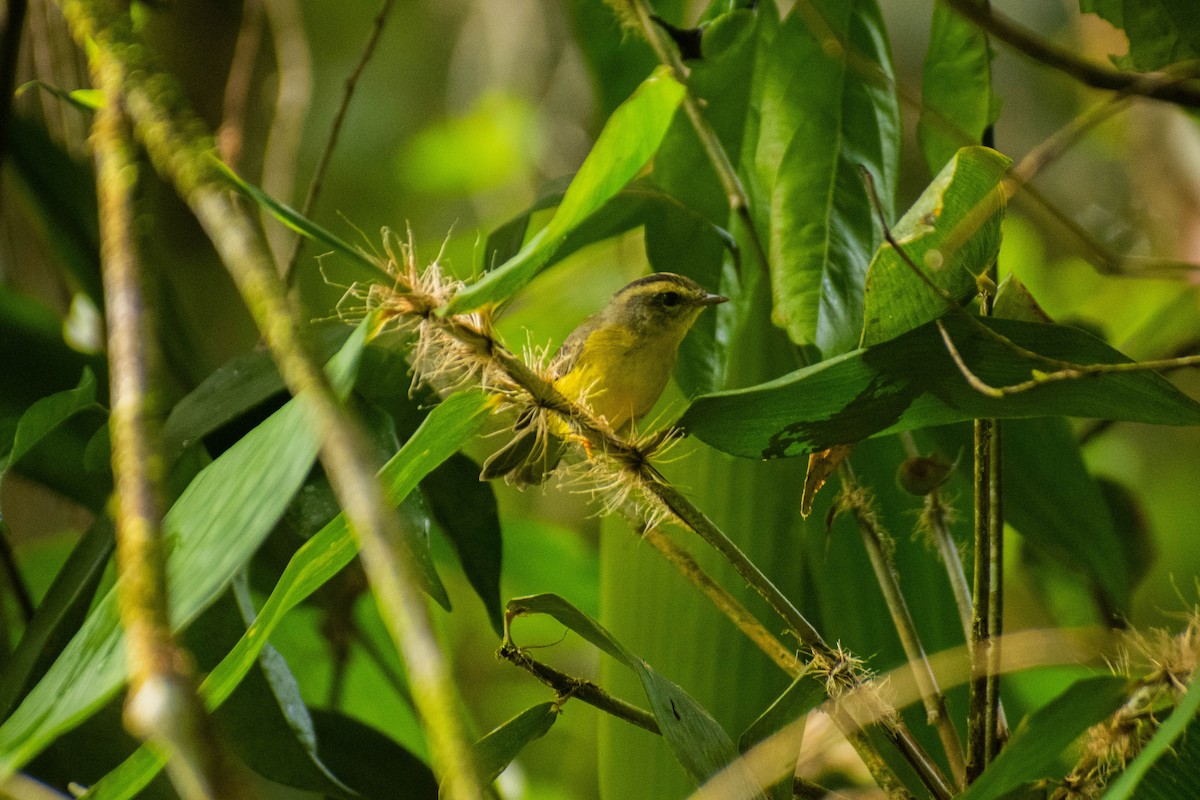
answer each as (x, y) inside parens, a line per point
(162, 705)
(731, 184)
(878, 551)
(182, 150)
(1063, 60)
(335, 131)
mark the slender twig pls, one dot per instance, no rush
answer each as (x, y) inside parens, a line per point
(232, 130)
(878, 551)
(725, 602)
(162, 705)
(633, 462)
(668, 54)
(183, 152)
(1067, 62)
(567, 686)
(335, 130)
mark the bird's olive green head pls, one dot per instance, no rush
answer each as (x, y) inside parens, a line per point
(660, 302)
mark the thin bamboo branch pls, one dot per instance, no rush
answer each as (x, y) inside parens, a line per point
(1067, 62)
(183, 152)
(567, 686)
(874, 540)
(162, 705)
(13, 573)
(335, 131)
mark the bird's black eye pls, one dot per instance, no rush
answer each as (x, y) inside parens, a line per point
(670, 299)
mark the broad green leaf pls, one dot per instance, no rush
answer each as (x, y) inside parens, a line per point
(700, 744)
(1033, 752)
(628, 142)
(911, 382)
(47, 415)
(210, 532)
(823, 116)
(364, 265)
(1161, 33)
(617, 60)
(957, 102)
(494, 752)
(1168, 768)
(448, 426)
(952, 233)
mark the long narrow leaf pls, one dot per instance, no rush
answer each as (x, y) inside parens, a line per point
(448, 426)
(211, 531)
(629, 139)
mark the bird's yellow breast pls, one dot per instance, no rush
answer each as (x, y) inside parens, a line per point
(620, 375)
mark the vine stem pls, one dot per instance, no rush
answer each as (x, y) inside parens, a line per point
(162, 705)
(182, 150)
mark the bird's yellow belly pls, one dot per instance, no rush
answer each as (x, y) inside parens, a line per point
(619, 382)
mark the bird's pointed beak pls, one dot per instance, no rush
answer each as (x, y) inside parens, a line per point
(713, 300)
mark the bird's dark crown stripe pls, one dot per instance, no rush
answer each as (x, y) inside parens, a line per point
(660, 281)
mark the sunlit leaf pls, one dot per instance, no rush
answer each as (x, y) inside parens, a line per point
(628, 141)
(952, 233)
(912, 382)
(497, 750)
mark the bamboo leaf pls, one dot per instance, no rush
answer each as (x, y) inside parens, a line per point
(211, 531)
(952, 233)
(629, 140)
(1168, 768)
(445, 430)
(911, 382)
(1032, 752)
(494, 752)
(699, 743)
(823, 118)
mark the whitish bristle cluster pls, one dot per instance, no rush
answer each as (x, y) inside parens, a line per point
(1163, 665)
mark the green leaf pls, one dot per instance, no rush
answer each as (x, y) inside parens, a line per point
(1168, 768)
(952, 233)
(494, 752)
(911, 382)
(1032, 753)
(628, 141)
(822, 119)
(365, 266)
(465, 509)
(367, 761)
(210, 533)
(87, 100)
(803, 695)
(1161, 33)
(957, 102)
(700, 744)
(49, 414)
(445, 430)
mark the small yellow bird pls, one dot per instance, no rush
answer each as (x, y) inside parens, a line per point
(617, 362)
